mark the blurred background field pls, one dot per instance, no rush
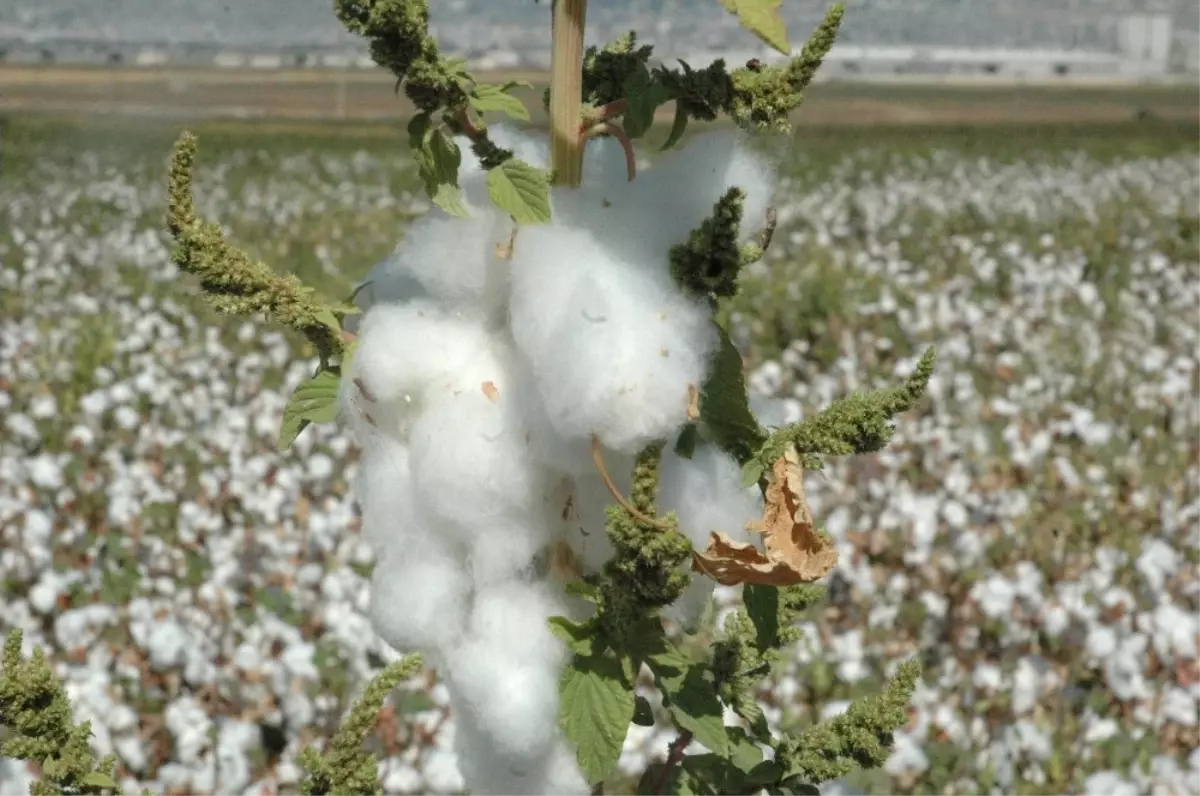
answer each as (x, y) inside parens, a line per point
(1032, 534)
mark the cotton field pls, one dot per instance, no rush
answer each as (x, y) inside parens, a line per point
(1032, 534)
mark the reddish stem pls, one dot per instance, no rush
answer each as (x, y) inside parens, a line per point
(468, 126)
(674, 758)
(604, 113)
(608, 128)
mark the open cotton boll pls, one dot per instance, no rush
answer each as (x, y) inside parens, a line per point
(484, 770)
(590, 499)
(385, 283)
(644, 219)
(419, 599)
(473, 469)
(405, 354)
(453, 259)
(505, 673)
(706, 494)
(613, 347)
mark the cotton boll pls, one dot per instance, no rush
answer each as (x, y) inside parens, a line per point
(385, 283)
(405, 354)
(613, 347)
(590, 499)
(451, 258)
(706, 494)
(419, 600)
(470, 461)
(485, 771)
(506, 671)
(688, 609)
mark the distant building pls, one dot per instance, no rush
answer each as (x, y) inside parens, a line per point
(229, 60)
(149, 58)
(265, 61)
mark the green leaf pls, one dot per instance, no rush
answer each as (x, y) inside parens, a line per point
(98, 779)
(449, 198)
(678, 126)
(652, 777)
(685, 444)
(643, 96)
(754, 715)
(762, 606)
(290, 429)
(578, 637)
(521, 191)
(745, 754)
(314, 401)
(725, 416)
(496, 99)
(752, 471)
(691, 698)
(583, 590)
(643, 714)
(761, 17)
(445, 156)
(596, 707)
(326, 317)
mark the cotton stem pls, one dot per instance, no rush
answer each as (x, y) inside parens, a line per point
(566, 91)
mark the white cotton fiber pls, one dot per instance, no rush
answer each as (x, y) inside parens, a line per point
(613, 346)
(642, 220)
(452, 259)
(418, 599)
(420, 586)
(505, 673)
(706, 494)
(485, 771)
(407, 354)
(473, 470)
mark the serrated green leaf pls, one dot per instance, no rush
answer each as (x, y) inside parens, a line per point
(98, 779)
(489, 98)
(578, 637)
(754, 715)
(725, 416)
(762, 606)
(643, 714)
(643, 96)
(745, 754)
(691, 698)
(521, 191)
(447, 157)
(678, 127)
(449, 198)
(314, 401)
(682, 783)
(291, 428)
(595, 709)
(761, 17)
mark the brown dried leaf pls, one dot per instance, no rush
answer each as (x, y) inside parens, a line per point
(795, 552)
(489, 389)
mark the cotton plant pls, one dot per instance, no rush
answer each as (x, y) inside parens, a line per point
(559, 459)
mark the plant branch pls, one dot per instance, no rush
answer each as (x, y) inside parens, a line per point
(598, 460)
(674, 758)
(608, 128)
